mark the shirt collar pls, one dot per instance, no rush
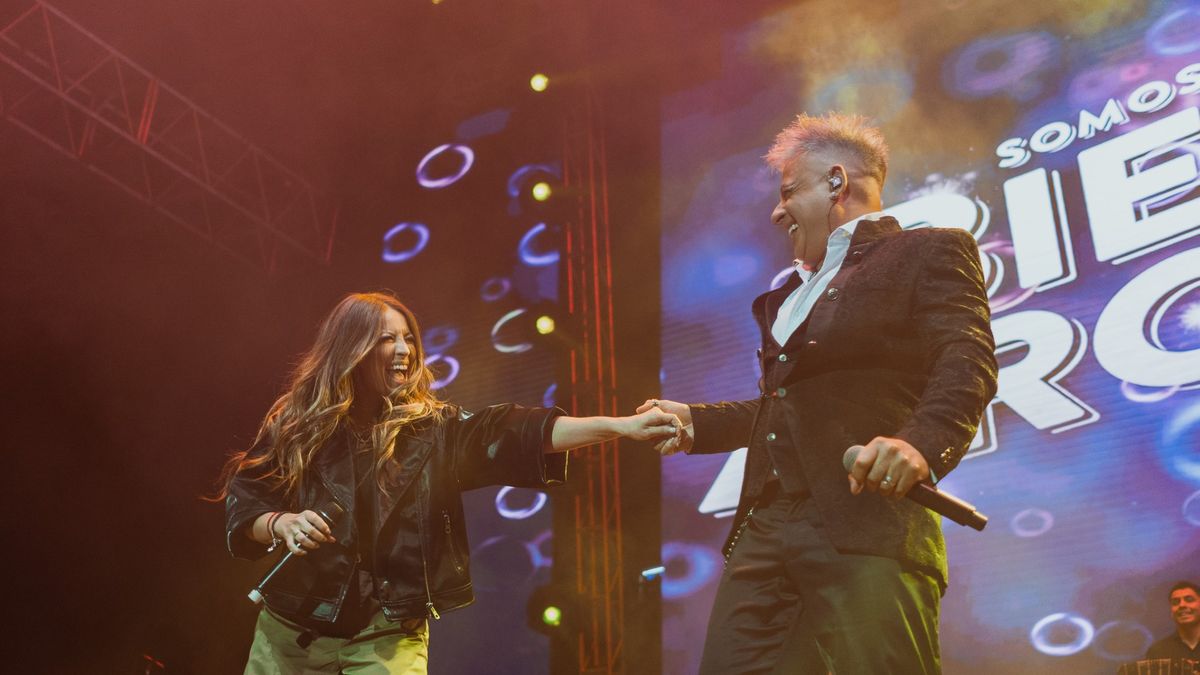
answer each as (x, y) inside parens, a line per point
(846, 231)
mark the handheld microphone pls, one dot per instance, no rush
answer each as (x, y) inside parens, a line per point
(330, 515)
(933, 499)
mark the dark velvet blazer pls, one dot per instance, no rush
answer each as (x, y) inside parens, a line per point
(898, 345)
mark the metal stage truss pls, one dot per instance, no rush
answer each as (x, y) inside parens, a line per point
(597, 564)
(67, 88)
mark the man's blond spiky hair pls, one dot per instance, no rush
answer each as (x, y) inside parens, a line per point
(850, 134)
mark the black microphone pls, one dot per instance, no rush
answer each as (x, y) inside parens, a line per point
(330, 515)
(933, 499)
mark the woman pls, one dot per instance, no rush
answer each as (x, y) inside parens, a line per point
(359, 436)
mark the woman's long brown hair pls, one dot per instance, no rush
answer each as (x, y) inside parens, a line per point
(321, 392)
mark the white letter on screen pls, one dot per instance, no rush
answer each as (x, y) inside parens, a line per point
(1030, 386)
(1112, 114)
(1040, 235)
(1119, 201)
(1127, 335)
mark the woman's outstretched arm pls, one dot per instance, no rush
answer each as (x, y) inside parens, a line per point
(576, 432)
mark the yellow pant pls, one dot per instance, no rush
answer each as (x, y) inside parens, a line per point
(381, 648)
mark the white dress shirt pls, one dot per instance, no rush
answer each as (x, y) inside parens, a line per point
(796, 307)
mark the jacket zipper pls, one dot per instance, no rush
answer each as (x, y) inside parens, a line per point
(429, 608)
(450, 539)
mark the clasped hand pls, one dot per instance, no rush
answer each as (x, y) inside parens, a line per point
(652, 424)
(888, 466)
(681, 411)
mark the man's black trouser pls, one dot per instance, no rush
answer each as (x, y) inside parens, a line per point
(789, 603)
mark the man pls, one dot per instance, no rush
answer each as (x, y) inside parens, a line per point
(881, 339)
(1185, 611)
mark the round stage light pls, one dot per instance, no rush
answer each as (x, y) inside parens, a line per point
(1032, 523)
(539, 82)
(517, 179)
(452, 366)
(544, 325)
(519, 512)
(541, 191)
(552, 616)
(689, 568)
(439, 338)
(495, 288)
(466, 156)
(392, 255)
(505, 348)
(526, 252)
(1062, 634)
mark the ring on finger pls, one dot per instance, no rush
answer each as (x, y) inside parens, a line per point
(887, 480)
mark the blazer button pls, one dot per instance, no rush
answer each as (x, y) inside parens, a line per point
(857, 256)
(782, 358)
(812, 343)
(833, 294)
(771, 436)
(781, 392)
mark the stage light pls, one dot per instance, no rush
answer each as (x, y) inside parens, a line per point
(452, 368)
(517, 179)
(552, 616)
(654, 573)
(520, 512)
(390, 252)
(539, 82)
(548, 252)
(466, 157)
(541, 191)
(553, 610)
(542, 325)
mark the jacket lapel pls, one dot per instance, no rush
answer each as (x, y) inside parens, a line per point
(335, 471)
(399, 474)
(766, 306)
(867, 234)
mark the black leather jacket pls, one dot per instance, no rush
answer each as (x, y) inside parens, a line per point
(434, 463)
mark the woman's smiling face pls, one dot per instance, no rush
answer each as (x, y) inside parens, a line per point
(389, 362)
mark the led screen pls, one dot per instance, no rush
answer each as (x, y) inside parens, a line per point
(1065, 137)
(477, 257)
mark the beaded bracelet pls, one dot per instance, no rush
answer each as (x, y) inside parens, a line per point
(275, 540)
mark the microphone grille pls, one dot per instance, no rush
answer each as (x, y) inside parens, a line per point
(850, 456)
(332, 512)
